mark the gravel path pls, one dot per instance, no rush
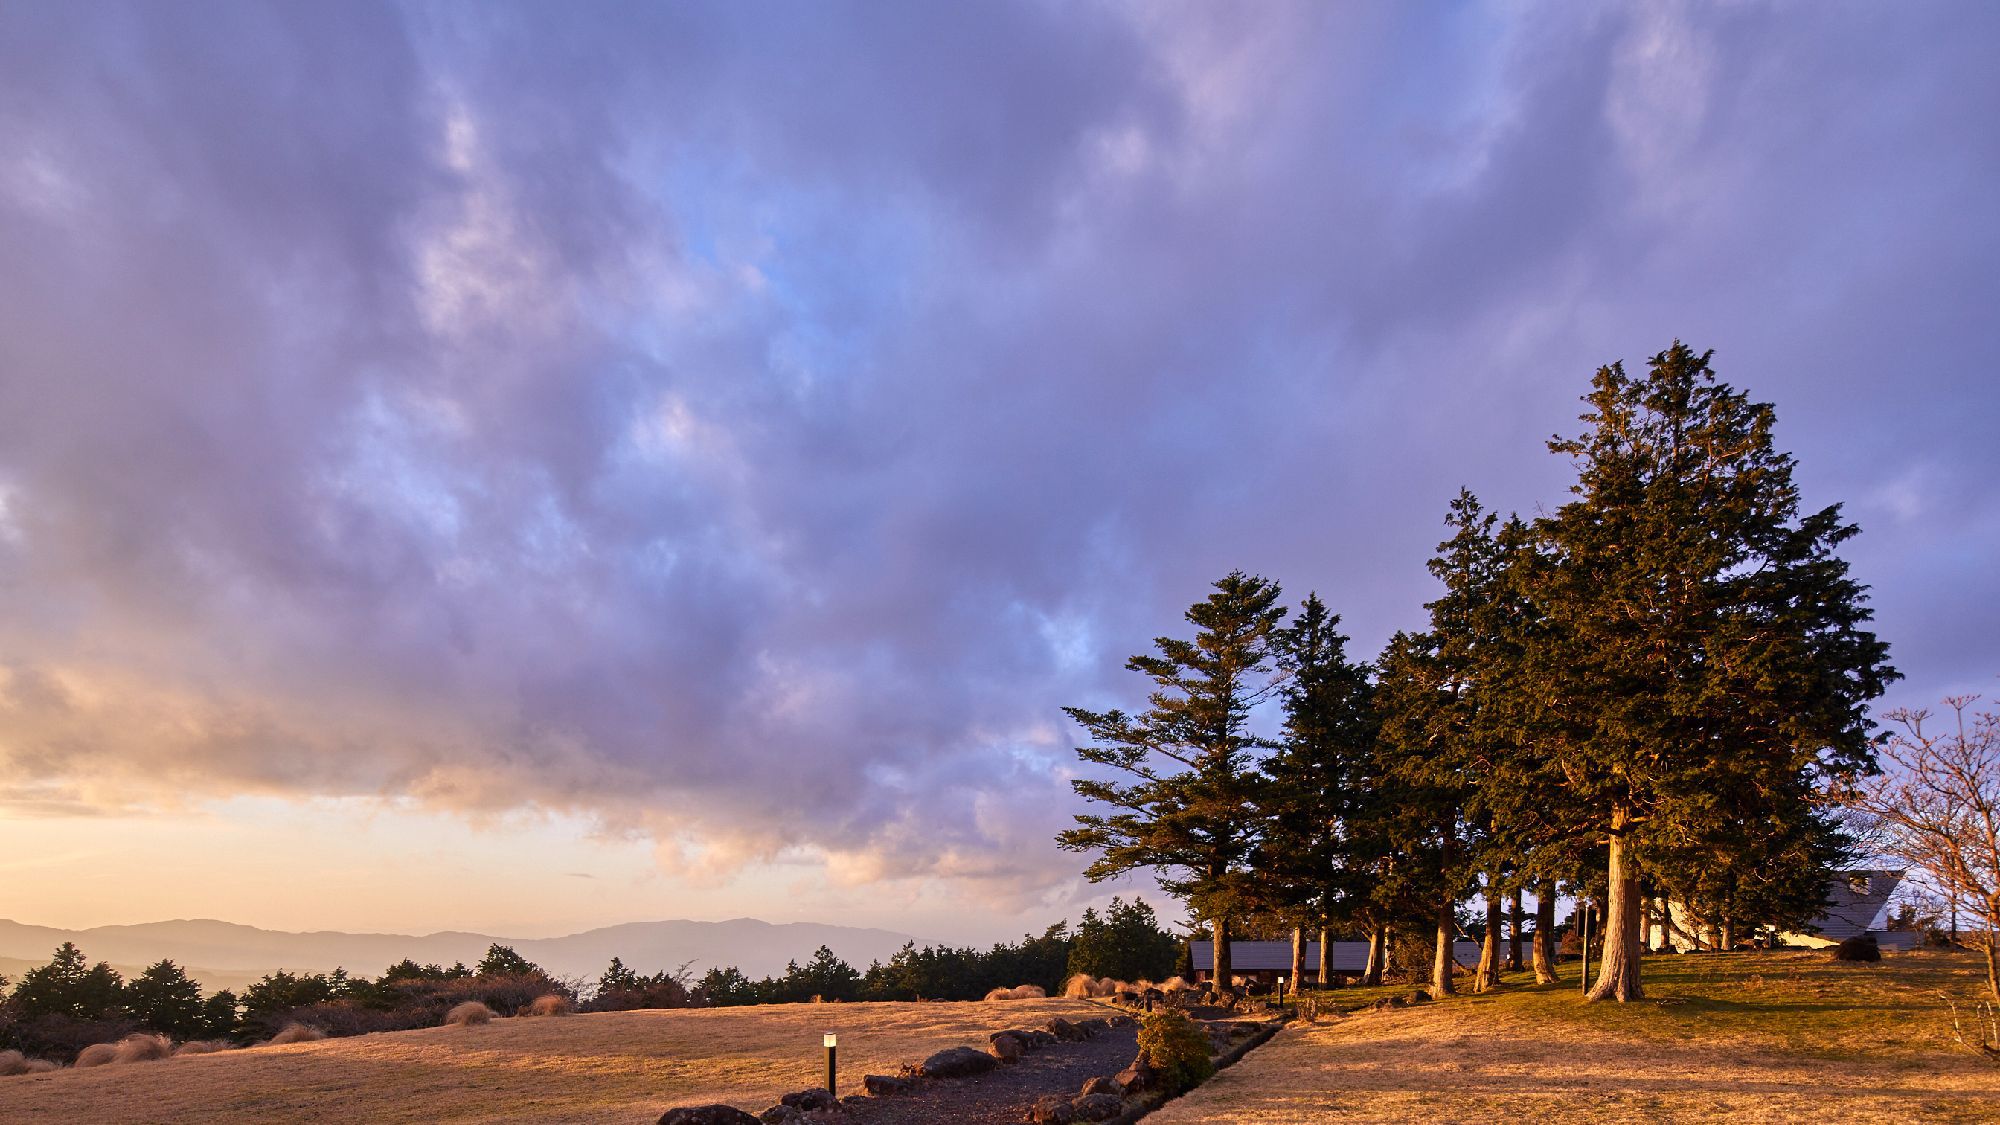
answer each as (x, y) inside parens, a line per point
(1002, 1096)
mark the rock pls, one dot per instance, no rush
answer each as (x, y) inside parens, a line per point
(1137, 1077)
(707, 1115)
(882, 1085)
(819, 1097)
(1101, 1085)
(1066, 1031)
(1126, 997)
(1036, 1038)
(1122, 1021)
(1153, 996)
(779, 1115)
(957, 1062)
(1097, 1107)
(1051, 1109)
(1095, 1026)
(1419, 997)
(852, 1100)
(1006, 1047)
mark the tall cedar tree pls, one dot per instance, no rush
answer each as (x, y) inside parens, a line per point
(1441, 732)
(1188, 814)
(1704, 669)
(1307, 868)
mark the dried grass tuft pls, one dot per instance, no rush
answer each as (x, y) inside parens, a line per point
(296, 1033)
(143, 1047)
(12, 1062)
(1079, 986)
(1175, 984)
(467, 1014)
(1018, 992)
(97, 1054)
(40, 1066)
(554, 1004)
(201, 1047)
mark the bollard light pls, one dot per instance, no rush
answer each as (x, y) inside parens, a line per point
(830, 1039)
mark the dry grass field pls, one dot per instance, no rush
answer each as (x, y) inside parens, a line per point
(612, 1067)
(1789, 1036)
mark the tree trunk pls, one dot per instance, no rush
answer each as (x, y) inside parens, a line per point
(1220, 966)
(1618, 975)
(1727, 941)
(1378, 954)
(1298, 955)
(1441, 962)
(1325, 958)
(1514, 930)
(1545, 934)
(1487, 977)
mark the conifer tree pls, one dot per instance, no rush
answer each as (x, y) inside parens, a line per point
(1308, 870)
(1187, 812)
(1705, 665)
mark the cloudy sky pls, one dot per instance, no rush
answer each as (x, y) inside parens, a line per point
(526, 467)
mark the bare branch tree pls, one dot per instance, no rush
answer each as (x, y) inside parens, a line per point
(1936, 808)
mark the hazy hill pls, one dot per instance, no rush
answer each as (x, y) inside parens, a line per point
(223, 954)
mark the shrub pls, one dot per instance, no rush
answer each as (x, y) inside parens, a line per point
(469, 1013)
(1170, 1043)
(1860, 947)
(201, 1047)
(142, 1048)
(12, 1062)
(553, 1004)
(97, 1054)
(1018, 992)
(1175, 984)
(296, 1033)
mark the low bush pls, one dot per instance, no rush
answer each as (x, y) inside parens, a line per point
(296, 1033)
(467, 1014)
(1171, 1044)
(1018, 992)
(554, 1004)
(97, 1054)
(1860, 947)
(142, 1048)
(201, 1047)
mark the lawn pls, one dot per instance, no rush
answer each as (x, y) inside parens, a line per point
(611, 1067)
(1784, 1036)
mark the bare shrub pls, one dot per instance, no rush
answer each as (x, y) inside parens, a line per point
(201, 1047)
(12, 1062)
(97, 1054)
(467, 1014)
(553, 1004)
(142, 1048)
(296, 1033)
(1079, 986)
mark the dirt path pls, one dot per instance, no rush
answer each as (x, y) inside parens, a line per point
(1002, 1096)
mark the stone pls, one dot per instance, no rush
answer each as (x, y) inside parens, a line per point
(1122, 1021)
(1138, 1077)
(707, 1115)
(819, 1097)
(779, 1115)
(1036, 1038)
(1419, 997)
(1101, 1085)
(958, 1062)
(882, 1085)
(1094, 1026)
(1096, 1107)
(1005, 1047)
(1066, 1031)
(1126, 997)
(1051, 1109)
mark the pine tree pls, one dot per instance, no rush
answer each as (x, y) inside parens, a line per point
(1309, 870)
(1704, 665)
(1188, 813)
(164, 999)
(69, 986)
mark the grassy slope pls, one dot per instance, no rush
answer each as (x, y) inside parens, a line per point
(1758, 1037)
(611, 1067)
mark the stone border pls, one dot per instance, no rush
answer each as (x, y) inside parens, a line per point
(1148, 1102)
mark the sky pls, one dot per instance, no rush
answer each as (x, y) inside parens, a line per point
(525, 467)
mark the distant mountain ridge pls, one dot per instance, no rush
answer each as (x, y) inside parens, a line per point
(223, 954)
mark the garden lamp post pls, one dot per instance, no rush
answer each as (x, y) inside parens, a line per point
(829, 1039)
